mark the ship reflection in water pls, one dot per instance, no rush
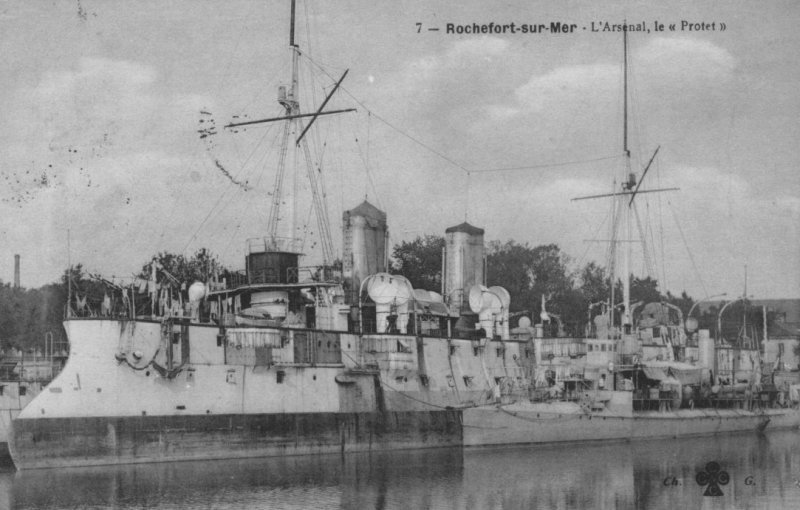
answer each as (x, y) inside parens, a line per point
(759, 471)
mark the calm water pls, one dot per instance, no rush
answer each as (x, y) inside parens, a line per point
(763, 472)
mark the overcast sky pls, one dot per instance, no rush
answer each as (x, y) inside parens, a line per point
(102, 103)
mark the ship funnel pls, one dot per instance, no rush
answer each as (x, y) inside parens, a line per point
(464, 264)
(365, 235)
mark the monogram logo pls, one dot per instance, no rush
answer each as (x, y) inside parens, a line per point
(713, 477)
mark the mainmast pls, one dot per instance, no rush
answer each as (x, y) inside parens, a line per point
(624, 207)
(626, 318)
(625, 95)
(292, 105)
(745, 340)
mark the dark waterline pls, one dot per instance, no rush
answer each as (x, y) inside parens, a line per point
(763, 471)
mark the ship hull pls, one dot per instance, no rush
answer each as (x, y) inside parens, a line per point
(532, 424)
(111, 405)
(64, 442)
(15, 395)
(68, 442)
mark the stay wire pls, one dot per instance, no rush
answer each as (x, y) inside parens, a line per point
(686, 244)
(444, 156)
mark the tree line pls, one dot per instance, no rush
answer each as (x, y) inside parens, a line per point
(530, 272)
(27, 316)
(527, 272)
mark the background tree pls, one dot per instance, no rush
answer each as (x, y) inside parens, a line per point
(27, 315)
(199, 267)
(643, 289)
(420, 261)
(594, 283)
(739, 314)
(684, 302)
(528, 273)
(511, 266)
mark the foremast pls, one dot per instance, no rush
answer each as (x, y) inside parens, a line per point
(294, 130)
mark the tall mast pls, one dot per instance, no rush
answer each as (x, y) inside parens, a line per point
(629, 184)
(630, 188)
(291, 27)
(293, 108)
(625, 94)
(744, 308)
(294, 105)
(294, 129)
(69, 276)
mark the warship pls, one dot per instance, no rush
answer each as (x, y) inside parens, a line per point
(285, 359)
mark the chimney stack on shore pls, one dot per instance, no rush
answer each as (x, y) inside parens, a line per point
(16, 271)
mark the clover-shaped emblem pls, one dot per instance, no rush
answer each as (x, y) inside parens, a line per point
(713, 476)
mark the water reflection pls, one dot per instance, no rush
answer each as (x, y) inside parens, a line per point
(764, 471)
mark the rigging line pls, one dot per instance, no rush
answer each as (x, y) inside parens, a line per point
(367, 163)
(242, 30)
(256, 99)
(257, 148)
(648, 263)
(612, 253)
(308, 26)
(547, 165)
(258, 167)
(611, 248)
(640, 228)
(691, 257)
(202, 223)
(321, 181)
(369, 175)
(243, 206)
(159, 241)
(596, 236)
(335, 165)
(468, 201)
(652, 253)
(398, 130)
(306, 232)
(634, 114)
(211, 210)
(309, 82)
(320, 203)
(413, 139)
(447, 158)
(661, 225)
(369, 182)
(295, 179)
